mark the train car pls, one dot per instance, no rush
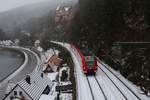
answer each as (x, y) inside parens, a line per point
(89, 62)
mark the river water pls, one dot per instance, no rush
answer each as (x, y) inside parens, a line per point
(10, 61)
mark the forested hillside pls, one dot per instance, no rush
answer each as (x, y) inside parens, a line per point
(111, 20)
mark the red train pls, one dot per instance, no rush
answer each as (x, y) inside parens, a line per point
(89, 62)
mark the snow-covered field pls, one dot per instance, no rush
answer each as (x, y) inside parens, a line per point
(105, 85)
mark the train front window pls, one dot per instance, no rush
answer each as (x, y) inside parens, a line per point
(86, 52)
(89, 61)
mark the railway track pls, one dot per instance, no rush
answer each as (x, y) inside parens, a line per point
(113, 83)
(95, 88)
(90, 89)
(118, 79)
(100, 88)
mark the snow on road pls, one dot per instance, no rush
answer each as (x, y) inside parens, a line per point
(104, 85)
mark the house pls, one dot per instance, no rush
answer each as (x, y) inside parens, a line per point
(52, 63)
(31, 88)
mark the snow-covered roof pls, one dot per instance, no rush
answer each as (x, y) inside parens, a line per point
(58, 7)
(46, 97)
(66, 96)
(37, 41)
(67, 8)
(50, 53)
(52, 76)
(39, 49)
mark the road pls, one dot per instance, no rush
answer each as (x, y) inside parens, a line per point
(30, 66)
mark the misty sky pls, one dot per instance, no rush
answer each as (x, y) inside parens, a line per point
(9, 4)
